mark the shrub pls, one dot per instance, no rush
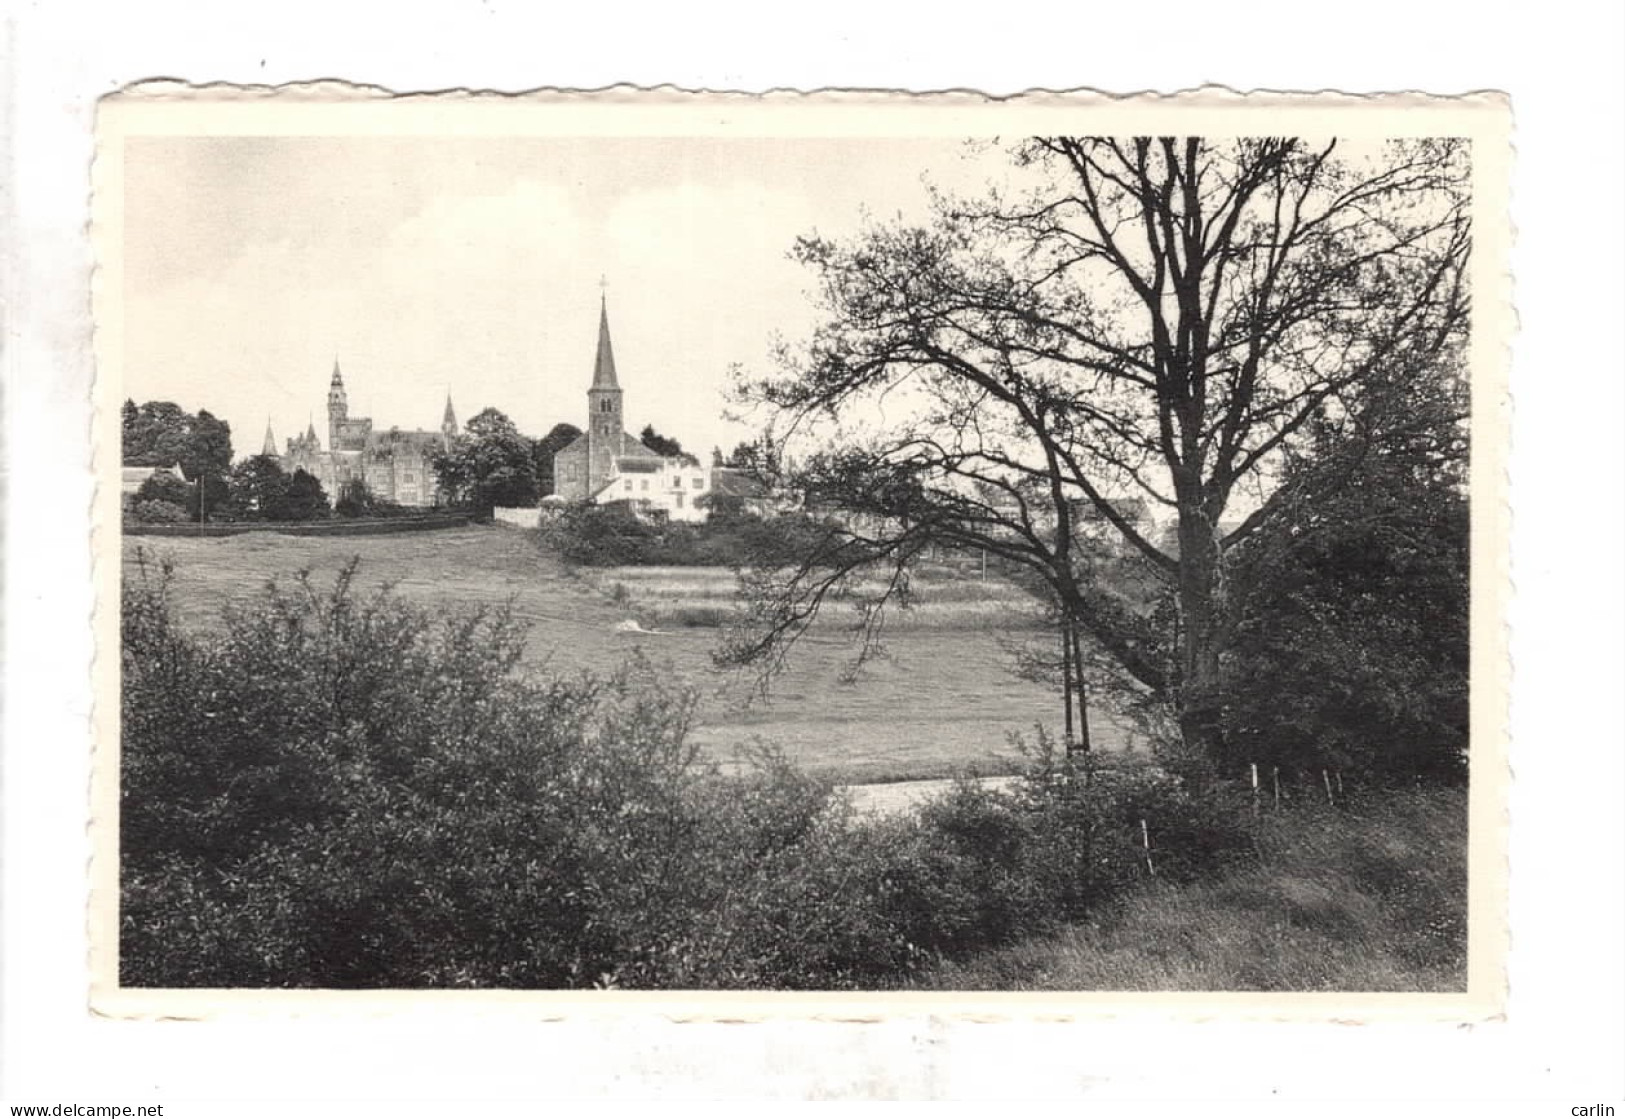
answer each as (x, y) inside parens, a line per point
(341, 790)
(613, 536)
(158, 512)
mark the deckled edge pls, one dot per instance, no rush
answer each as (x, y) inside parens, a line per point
(1485, 1001)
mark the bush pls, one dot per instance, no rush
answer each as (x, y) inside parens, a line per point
(340, 790)
(614, 536)
(158, 512)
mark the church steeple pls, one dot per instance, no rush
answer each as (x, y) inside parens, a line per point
(270, 440)
(448, 422)
(603, 370)
(605, 427)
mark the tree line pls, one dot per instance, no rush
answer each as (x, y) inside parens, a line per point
(490, 463)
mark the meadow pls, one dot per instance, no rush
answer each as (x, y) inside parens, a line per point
(943, 700)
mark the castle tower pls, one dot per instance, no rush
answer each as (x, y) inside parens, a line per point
(605, 425)
(338, 407)
(448, 422)
(270, 440)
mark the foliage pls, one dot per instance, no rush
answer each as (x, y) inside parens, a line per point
(161, 433)
(489, 464)
(261, 490)
(168, 488)
(304, 499)
(613, 535)
(158, 512)
(343, 791)
(357, 500)
(1354, 651)
(664, 446)
(757, 457)
(1373, 899)
(1158, 319)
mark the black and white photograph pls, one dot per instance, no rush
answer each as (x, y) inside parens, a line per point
(681, 544)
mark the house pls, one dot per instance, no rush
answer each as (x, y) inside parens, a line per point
(132, 478)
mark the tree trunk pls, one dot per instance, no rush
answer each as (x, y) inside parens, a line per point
(1084, 743)
(1066, 681)
(1197, 698)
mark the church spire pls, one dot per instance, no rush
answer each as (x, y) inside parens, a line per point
(448, 422)
(270, 440)
(603, 370)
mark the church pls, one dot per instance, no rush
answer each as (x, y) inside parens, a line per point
(605, 464)
(396, 465)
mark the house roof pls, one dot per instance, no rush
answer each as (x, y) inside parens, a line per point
(732, 482)
(132, 477)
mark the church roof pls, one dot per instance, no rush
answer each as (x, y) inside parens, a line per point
(450, 418)
(628, 446)
(603, 368)
(270, 440)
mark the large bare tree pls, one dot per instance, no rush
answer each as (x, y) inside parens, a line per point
(1151, 322)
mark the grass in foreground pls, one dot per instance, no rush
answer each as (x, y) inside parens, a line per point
(1369, 899)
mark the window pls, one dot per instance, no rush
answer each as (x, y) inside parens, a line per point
(629, 485)
(646, 485)
(679, 501)
(699, 483)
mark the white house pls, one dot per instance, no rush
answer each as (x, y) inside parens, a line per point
(672, 486)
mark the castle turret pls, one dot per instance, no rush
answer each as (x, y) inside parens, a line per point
(338, 406)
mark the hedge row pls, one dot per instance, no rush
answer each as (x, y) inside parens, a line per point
(359, 527)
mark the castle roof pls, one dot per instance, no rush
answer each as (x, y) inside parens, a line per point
(603, 368)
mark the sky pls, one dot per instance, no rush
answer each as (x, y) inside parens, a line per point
(474, 265)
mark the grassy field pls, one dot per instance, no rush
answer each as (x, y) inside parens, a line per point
(1373, 899)
(943, 701)
(672, 597)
